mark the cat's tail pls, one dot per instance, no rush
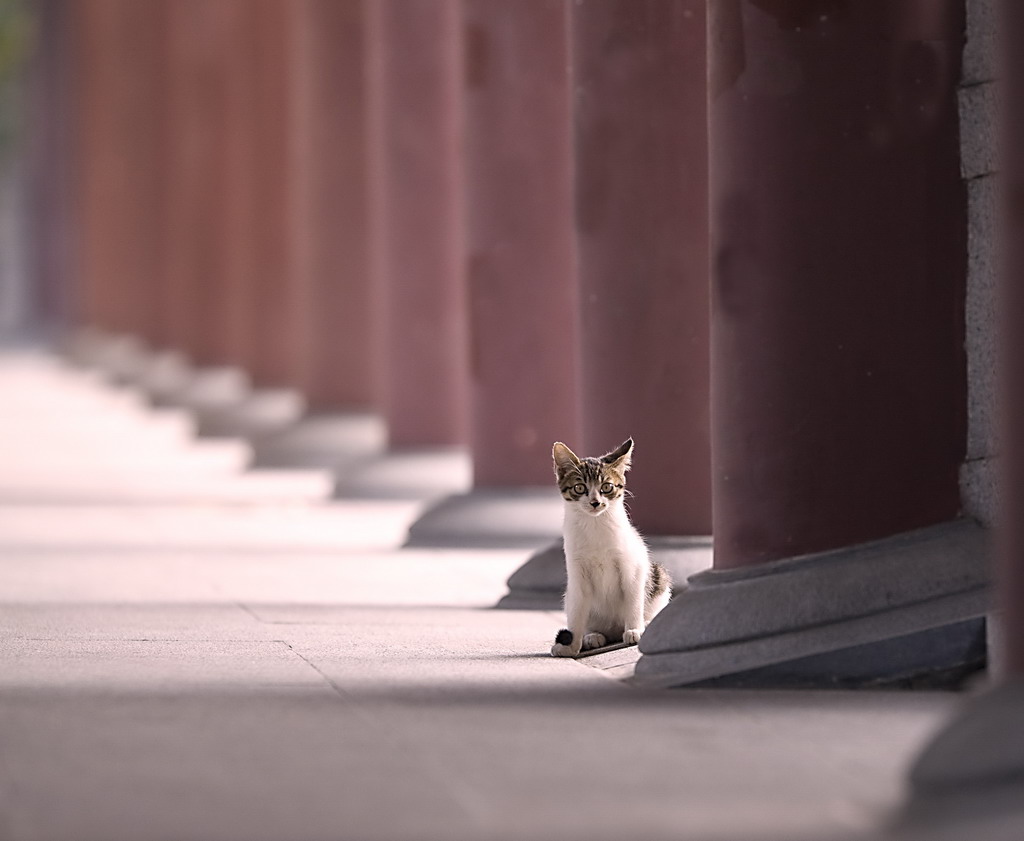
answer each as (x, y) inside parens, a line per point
(658, 592)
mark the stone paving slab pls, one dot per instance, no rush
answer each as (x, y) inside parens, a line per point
(255, 671)
(287, 524)
(145, 621)
(144, 665)
(98, 575)
(275, 584)
(97, 486)
(214, 766)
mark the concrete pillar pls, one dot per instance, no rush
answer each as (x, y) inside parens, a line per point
(1010, 572)
(971, 771)
(416, 156)
(838, 373)
(521, 296)
(639, 110)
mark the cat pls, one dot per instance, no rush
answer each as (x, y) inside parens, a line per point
(614, 588)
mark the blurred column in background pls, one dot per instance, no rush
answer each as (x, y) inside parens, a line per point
(263, 318)
(274, 319)
(51, 299)
(118, 54)
(194, 306)
(191, 329)
(975, 765)
(17, 27)
(838, 366)
(330, 249)
(522, 302)
(639, 102)
(414, 96)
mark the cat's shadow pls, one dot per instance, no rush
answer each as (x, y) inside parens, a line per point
(528, 655)
(546, 655)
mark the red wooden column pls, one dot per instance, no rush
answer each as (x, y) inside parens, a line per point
(839, 395)
(329, 252)
(640, 174)
(274, 319)
(417, 355)
(642, 237)
(523, 335)
(118, 54)
(240, 163)
(193, 301)
(838, 369)
(53, 295)
(330, 226)
(416, 155)
(263, 321)
(258, 297)
(206, 284)
(520, 264)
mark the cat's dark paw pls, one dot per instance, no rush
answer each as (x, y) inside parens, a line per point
(563, 646)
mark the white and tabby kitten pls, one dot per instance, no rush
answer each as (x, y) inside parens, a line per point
(614, 589)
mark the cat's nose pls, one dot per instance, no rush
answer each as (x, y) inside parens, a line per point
(595, 503)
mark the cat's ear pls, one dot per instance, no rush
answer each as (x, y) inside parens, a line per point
(564, 458)
(621, 458)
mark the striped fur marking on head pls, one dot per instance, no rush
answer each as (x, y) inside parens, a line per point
(599, 480)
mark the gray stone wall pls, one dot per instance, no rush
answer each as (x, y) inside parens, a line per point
(977, 95)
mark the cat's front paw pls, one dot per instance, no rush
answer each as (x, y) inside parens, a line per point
(632, 636)
(594, 641)
(565, 645)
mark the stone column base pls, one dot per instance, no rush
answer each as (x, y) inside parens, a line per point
(221, 399)
(539, 584)
(491, 517)
(260, 413)
(907, 608)
(327, 439)
(121, 358)
(427, 473)
(969, 781)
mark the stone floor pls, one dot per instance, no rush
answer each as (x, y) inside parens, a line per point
(192, 651)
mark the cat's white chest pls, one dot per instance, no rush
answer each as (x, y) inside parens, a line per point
(606, 547)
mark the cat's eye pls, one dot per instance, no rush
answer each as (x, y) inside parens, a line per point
(579, 488)
(607, 488)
